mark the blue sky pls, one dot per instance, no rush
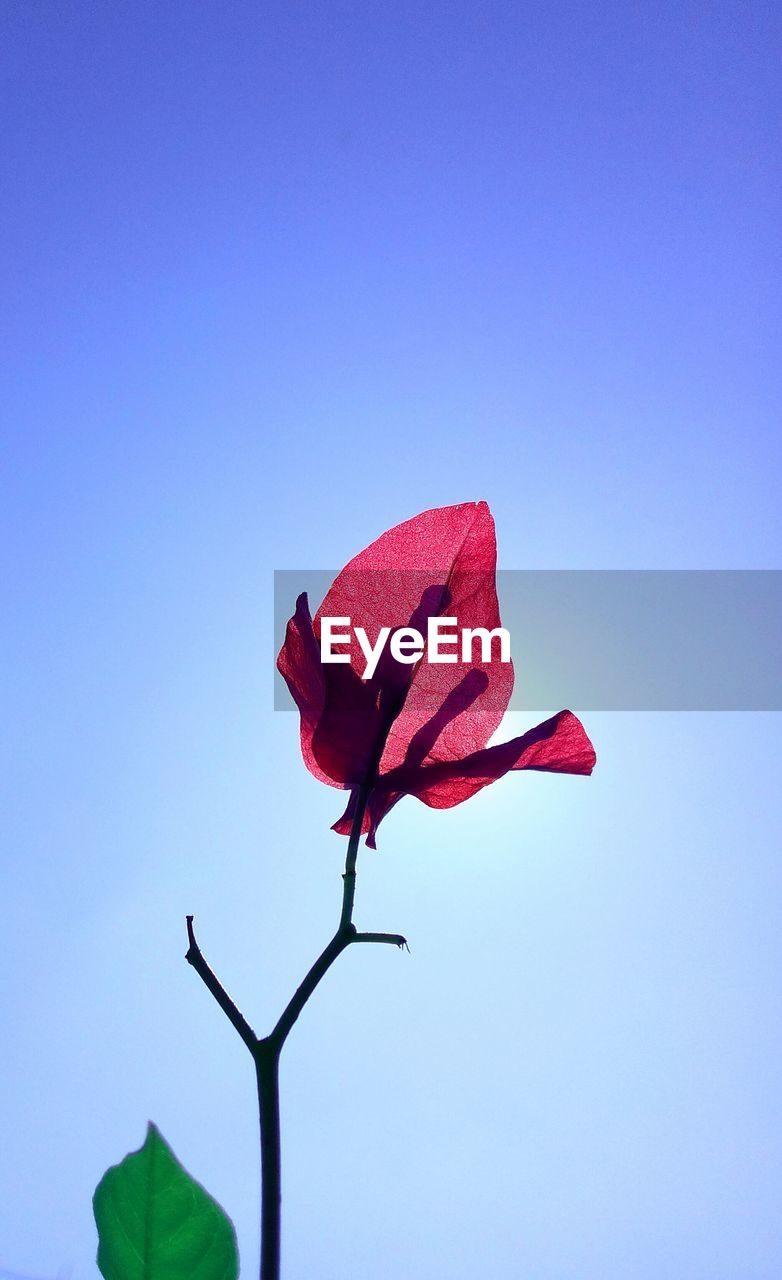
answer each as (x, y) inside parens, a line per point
(276, 277)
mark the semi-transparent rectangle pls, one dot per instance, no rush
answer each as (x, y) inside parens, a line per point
(618, 640)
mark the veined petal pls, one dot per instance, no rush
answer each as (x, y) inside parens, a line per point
(380, 803)
(559, 745)
(417, 728)
(438, 564)
(298, 662)
(339, 717)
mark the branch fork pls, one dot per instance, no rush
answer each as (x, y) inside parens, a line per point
(266, 1050)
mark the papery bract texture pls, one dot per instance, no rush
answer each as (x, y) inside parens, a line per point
(419, 729)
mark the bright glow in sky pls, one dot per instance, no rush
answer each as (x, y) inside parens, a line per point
(277, 276)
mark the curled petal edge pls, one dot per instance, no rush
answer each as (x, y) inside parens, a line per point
(558, 745)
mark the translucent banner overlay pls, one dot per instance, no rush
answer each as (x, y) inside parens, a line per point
(612, 640)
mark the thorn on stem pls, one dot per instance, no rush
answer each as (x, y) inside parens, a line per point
(192, 948)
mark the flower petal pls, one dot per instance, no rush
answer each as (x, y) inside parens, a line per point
(300, 666)
(438, 564)
(339, 718)
(417, 728)
(380, 803)
(559, 745)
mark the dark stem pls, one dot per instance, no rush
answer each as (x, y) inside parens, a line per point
(195, 958)
(346, 930)
(267, 1072)
(342, 938)
(266, 1051)
(395, 939)
(349, 876)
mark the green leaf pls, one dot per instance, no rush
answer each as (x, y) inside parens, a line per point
(155, 1222)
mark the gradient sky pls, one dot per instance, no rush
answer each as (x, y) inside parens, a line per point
(275, 277)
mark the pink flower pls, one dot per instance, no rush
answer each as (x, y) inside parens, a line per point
(416, 729)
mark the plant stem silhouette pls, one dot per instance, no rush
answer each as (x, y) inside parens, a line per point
(266, 1050)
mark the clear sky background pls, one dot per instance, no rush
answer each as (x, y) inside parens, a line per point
(275, 277)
